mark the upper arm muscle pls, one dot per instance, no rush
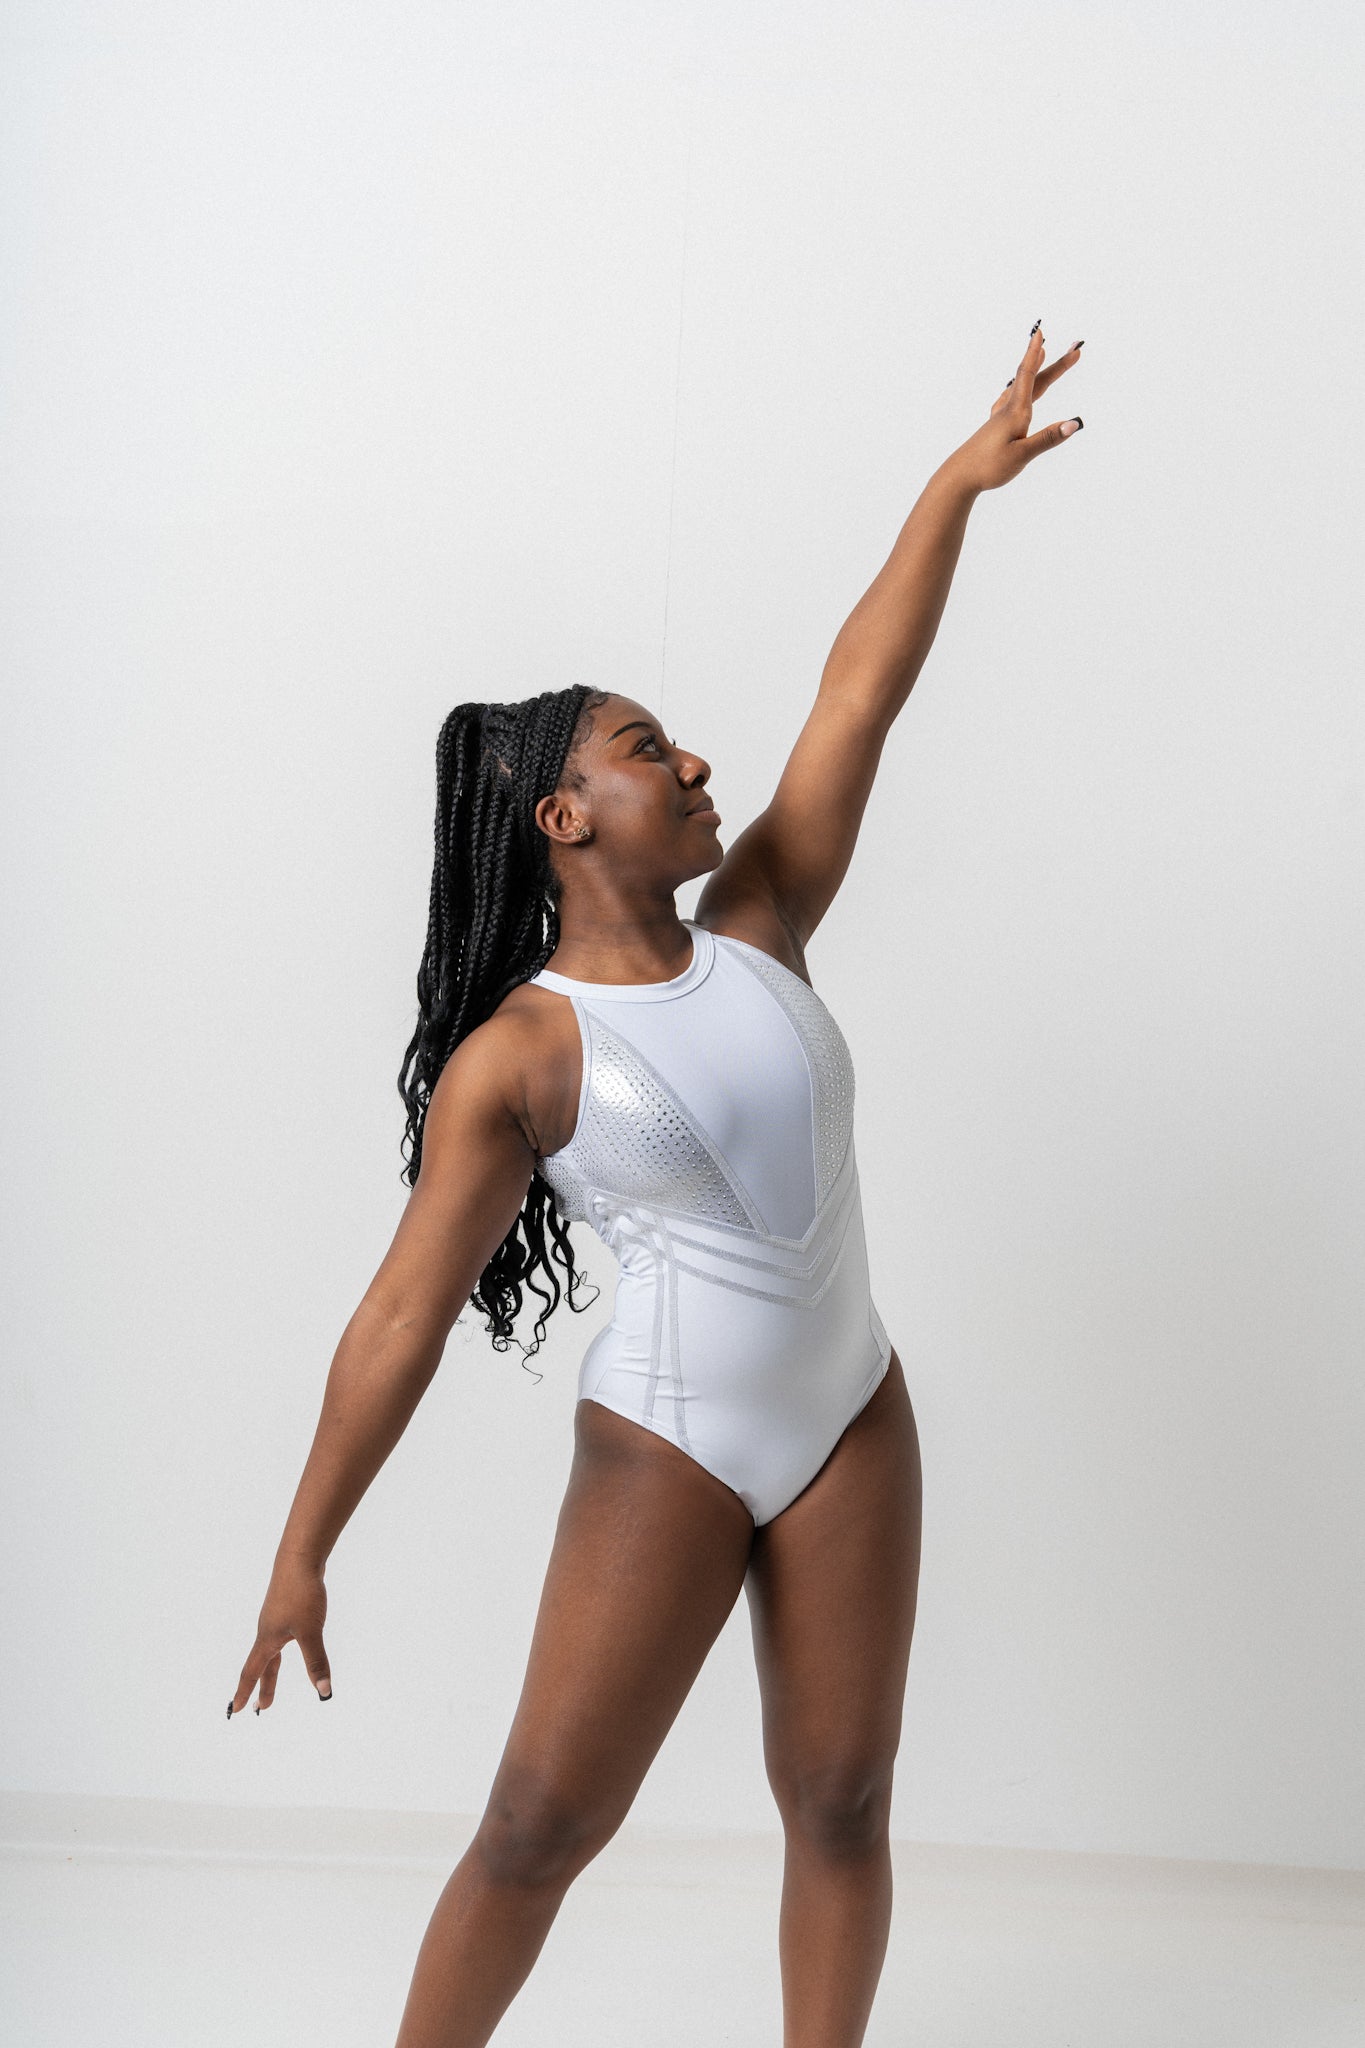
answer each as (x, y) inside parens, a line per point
(476, 1167)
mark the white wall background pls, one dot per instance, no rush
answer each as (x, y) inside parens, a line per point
(360, 360)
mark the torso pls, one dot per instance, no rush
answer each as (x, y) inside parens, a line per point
(703, 1130)
(545, 1055)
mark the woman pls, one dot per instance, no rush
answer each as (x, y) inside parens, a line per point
(743, 1421)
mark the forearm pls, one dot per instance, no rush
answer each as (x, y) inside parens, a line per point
(379, 1373)
(882, 645)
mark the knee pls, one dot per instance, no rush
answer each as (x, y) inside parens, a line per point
(534, 1833)
(840, 1810)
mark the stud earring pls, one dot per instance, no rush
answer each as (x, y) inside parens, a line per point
(582, 831)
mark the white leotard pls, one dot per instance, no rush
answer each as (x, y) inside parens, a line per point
(714, 1153)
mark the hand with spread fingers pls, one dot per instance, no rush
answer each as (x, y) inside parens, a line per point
(1002, 447)
(294, 1611)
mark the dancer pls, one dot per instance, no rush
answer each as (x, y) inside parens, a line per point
(743, 1419)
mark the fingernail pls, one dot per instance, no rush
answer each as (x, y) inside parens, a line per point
(1070, 426)
(1078, 344)
(324, 1695)
(258, 1710)
(1034, 329)
(1008, 385)
(229, 1710)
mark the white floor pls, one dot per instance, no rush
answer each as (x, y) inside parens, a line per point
(199, 1927)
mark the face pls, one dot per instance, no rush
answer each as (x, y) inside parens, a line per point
(639, 795)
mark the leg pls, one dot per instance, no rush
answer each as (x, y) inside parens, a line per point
(832, 1586)
(649, 1555)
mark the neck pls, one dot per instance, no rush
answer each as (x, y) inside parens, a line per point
(611, 939)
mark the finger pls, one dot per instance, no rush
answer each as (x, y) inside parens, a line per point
(316, 1665)
(1057, 369)
(251, 1671)
(1031, 358)
(1048, 437)
(268, 1679)
(1029, 366)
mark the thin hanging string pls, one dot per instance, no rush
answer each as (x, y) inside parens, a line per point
(677, 389)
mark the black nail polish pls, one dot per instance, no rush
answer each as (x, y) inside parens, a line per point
(258, 1710)
(324, 1695)
(1079, 421)
(1008, 385)
(229, 1710)
(1078, 344)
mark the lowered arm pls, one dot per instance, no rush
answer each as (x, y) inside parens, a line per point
(476, 1168)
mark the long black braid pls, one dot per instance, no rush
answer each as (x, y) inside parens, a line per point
(494, 922)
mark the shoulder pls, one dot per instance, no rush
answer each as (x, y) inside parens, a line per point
(533, 1040)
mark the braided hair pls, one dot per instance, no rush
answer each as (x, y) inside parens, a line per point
(493, 923)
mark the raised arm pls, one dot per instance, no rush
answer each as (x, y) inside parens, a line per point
(477, 1163)
(796, 853)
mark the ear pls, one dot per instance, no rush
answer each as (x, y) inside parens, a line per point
(558, 819)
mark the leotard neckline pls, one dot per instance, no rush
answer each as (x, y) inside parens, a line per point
(696, 970)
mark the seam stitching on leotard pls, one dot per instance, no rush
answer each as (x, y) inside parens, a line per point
(679, 1403)
(665, 1328)
(656, 1334)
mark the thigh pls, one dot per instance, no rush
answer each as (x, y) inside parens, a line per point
(648, 1559)
(832, 1587)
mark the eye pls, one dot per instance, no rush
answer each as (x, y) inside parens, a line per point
(649, 739)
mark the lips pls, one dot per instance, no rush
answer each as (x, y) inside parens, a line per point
(707, 811)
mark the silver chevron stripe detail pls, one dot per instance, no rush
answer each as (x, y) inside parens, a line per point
(833, 1220)
(770, 1294)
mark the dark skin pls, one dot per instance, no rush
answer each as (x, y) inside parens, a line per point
(651, 1550)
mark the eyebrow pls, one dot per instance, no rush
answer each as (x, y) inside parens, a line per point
(626, 728)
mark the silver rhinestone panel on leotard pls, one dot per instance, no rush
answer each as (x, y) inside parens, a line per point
(636, 1139)
(827, 1051)
(567, 1187)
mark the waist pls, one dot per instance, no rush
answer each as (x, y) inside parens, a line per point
(700, 1267)
(742, 1327)
(646, 1234)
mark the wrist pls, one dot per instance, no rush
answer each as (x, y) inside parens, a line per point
(955, 482)
(295, 1554)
